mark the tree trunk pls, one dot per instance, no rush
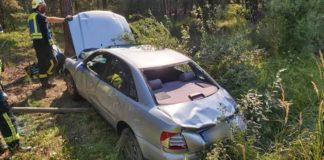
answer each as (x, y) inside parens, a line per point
(163, 7)
(67, 9)
(253, 7)
(76, 6)
(170, 8)
(2, 14)
(99, 4)
(104, 4)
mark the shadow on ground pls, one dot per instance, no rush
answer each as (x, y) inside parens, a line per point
(86, 135)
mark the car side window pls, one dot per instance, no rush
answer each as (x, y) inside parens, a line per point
(119, 76)
(98, 64)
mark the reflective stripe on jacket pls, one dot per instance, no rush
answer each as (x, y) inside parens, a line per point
(34, 27)
(35, 30)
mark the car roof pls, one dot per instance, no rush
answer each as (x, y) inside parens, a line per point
(147, 57)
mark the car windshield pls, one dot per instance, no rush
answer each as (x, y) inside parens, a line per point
(179, 83)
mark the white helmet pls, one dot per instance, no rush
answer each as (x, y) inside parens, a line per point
(36, 3)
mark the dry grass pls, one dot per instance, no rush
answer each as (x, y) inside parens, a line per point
(284, 103)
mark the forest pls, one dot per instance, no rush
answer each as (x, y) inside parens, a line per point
(267, 54)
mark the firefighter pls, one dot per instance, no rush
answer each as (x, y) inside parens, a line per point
(40, 30)
(8, 126)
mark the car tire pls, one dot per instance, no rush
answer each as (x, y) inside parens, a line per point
(70, 87)
(128, 147)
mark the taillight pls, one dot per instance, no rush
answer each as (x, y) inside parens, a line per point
(173, 141)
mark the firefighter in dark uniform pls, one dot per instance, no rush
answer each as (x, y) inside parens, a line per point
(40, 30)
(8, 126)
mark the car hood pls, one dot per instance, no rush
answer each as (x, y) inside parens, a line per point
(201, 113)
(98, 29)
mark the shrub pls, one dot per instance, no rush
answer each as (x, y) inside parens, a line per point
(150, 31)
(293, 26)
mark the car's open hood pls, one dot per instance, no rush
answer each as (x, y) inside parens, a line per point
(201, 113)
(97, 29)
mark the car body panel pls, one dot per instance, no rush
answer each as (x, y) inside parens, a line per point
(200, 113)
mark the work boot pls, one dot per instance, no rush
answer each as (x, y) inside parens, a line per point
(16, 147)
(45, 84)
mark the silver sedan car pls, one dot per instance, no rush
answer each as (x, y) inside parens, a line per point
(163, 105)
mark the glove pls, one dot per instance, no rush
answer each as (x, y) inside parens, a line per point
(68, 18)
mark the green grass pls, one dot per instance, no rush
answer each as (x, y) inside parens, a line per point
(297, 81)
(16, 46)
(67, 136)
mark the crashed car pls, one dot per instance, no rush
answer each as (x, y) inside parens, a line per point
(163, 105)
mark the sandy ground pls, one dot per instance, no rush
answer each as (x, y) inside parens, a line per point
(22, 91)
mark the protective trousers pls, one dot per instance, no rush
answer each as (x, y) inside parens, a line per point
(8, 126)
(46, 60)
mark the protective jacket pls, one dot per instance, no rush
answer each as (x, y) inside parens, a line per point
(39, 29)
(8, 126)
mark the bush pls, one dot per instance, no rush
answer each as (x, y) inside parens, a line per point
(150, 31)
(269, 134)
(293, 26)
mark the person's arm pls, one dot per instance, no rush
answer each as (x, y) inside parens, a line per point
(54, 20)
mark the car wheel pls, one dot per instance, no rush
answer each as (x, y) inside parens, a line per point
(71, 88)
(128, 147)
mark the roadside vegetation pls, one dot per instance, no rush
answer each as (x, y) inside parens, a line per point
(274, 69)
(273, 65)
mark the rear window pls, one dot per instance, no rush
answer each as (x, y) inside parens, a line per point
(179, 83)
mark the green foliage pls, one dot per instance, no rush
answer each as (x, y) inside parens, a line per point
(15, 46)
(226, 50)
(237, 147)
(293, 26)
(7, 8)
(150, 31)
(301, 71)
(268, 135)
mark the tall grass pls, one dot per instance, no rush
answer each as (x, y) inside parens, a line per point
(319, 144)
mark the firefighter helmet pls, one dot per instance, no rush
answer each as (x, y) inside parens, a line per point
(36, 3)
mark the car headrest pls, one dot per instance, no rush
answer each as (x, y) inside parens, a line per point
(187, 76)
(155, 84)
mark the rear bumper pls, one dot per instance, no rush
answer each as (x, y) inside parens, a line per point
(153, 153)
(197, 142)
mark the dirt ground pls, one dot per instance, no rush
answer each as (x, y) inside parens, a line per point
(21, 89)
(56, 136)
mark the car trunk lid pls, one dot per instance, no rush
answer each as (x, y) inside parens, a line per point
(201, 113)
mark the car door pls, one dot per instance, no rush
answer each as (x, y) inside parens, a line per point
(116, 85)
(92, 69)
